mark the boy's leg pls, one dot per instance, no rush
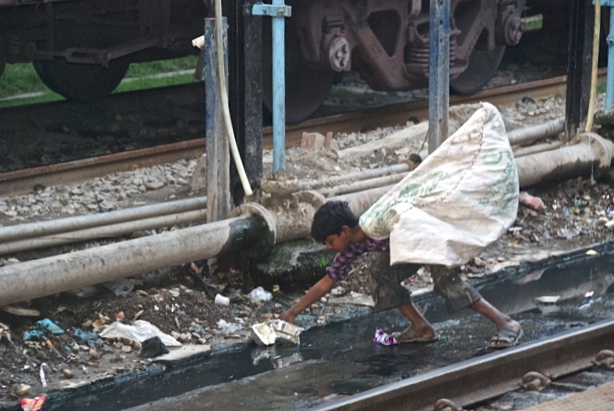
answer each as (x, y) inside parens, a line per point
(508, 330)
(458, 294)
(388, 293)
(420, 329)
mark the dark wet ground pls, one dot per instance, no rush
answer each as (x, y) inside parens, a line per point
(341, 359)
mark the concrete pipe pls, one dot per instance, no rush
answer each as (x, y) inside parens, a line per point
(252, 233)
(590, 157)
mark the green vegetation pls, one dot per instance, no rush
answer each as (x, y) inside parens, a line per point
(21, 85)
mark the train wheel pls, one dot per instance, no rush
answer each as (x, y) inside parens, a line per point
(81, 82)
(306, 89)
(482, 67)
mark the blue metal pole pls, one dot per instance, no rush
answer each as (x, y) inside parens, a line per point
(278, 12)
(279, 92)
(439, 72)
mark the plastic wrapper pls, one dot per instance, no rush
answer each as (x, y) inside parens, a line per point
(276, 332)
(384, 338)
(32, 404)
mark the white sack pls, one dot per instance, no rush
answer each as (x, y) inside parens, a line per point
(461, 199)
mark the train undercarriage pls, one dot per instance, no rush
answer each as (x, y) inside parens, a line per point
(81, 49)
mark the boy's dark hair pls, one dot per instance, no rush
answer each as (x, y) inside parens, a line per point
(330, 218)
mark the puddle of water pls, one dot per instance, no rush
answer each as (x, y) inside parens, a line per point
(341, 359)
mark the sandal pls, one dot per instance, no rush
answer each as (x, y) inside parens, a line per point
(505, 338)
(409, 335)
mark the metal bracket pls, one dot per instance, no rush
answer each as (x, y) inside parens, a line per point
(444, 404)
(605, 359)
(271, 10)
(535, 381)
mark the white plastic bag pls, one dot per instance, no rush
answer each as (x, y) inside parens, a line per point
(139, 331)
(461, 199)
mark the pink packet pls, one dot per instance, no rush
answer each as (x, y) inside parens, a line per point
(383, 338)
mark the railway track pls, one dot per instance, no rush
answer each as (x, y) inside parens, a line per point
(22, 181)
(531, 367)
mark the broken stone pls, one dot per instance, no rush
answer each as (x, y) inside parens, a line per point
(23, 389)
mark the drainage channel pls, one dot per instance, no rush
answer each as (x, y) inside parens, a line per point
(340, 360)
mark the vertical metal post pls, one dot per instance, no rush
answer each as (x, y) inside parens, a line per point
(278, 12)
(581, 19)
(216, 144)
(245, 92)
(279, 92)
(609, 90)
(439, 72)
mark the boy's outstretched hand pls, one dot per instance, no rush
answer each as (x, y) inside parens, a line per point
(320, 289)
(288, 317)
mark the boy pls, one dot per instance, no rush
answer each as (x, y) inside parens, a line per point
(338, 228)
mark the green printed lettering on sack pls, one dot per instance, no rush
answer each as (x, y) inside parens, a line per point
(421, 184)
(502, 193)
(418, 189)
(492, 157)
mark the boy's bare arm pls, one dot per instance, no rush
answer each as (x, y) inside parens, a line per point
(319, 289)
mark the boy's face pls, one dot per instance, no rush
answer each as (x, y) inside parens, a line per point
(338, 242)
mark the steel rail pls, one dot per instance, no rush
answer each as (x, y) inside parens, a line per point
(23, 181)
(489, 376)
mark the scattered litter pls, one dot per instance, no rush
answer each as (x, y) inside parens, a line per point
(588, 300)
(20, 311)
(384, 338)
(32, 404)
(547, 299)
(533, 202)
(153, 347)
(140, 331)
(41, 373)
(120, 288)
(5, 333)
(547, 304)
(221, 300)
(276, 331)
(228, 328)
(282, 362)
(260, 294)
(90, 338)
(43, 328)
